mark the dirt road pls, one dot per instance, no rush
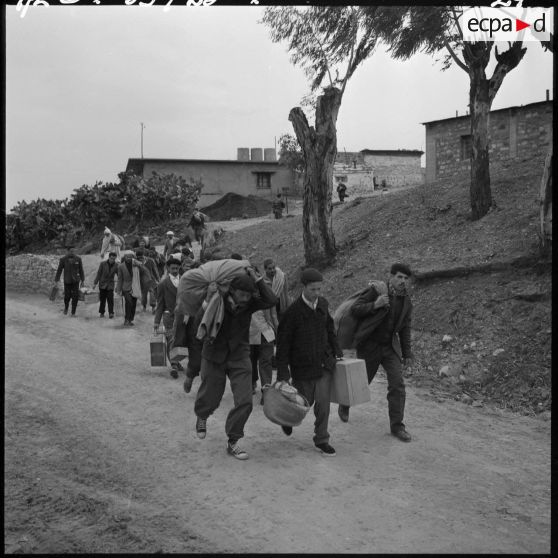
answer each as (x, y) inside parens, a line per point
(101, 456)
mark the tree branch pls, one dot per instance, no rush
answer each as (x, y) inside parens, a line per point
(456, 59)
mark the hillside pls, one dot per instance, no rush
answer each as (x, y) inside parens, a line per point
(507, 311)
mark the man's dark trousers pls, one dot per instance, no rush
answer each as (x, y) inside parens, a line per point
(129, 306)
(106, 296)
(71, 291)
(385, 355)
(213, 380)
(317, 392)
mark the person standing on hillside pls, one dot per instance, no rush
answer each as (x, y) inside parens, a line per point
(342, 191)
(383, 336)
(277, 207)
(74, 278)
(228, 354)
(165, 310)
(111, 243)
(105, 279)
(197, 222)
(307, 350)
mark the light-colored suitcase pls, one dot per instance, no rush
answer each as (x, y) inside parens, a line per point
(350, 383)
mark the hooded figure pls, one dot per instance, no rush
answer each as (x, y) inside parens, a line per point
(111, 243)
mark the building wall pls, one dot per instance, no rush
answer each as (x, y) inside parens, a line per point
(515, 133)
(396, 170)
(221, 178)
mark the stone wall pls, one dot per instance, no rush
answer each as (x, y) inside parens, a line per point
(31, 273)
(34, 273)
(516, 133)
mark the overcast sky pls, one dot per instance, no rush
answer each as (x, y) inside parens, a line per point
(80, 79)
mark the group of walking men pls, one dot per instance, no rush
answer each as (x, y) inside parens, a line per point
(259, 319)
(258, 309)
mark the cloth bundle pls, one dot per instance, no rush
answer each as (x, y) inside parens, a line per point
(192, 290)
(345, 323)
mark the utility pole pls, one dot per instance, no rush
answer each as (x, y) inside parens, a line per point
(142, 127)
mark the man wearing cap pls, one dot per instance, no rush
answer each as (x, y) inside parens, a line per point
(170, 241)
(166, 304)
(384, 337)
(228, 354)
(74, 277)
(105, 278)
(307, 350)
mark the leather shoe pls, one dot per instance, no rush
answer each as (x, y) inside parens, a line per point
(288, 430)
(343, 412)
(402, 434)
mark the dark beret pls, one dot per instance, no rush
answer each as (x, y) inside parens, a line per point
(310, 275)
(243, 283)
(400, 267)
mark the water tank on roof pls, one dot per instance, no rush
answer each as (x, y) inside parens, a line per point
(256, 154)
(243, 154)
(269, 154)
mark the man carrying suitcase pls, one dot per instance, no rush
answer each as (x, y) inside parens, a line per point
(383, 336)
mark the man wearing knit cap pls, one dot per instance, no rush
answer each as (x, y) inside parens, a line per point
(383, 336)
(306, 344)
(228, 354)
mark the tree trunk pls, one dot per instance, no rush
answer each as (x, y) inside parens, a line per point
(481, 195)
(319, 145)
(546, 206)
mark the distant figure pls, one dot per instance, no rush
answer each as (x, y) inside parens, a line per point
(197, 222)
(186, 260)
(150, 280)
(278, 206)
(74, 277)
(235, 256)
(112, 242)
(131, 275)
(170, 242)
(342, 191)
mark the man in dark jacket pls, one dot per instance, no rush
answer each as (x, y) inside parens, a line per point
(150, 283)
(386, 340)
(228, 354)
(166, 304)
(105, 278)
(129, 284)
(74, 277)
(306, 344)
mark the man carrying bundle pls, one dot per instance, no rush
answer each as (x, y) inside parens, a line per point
(226, 352)
(383, 336)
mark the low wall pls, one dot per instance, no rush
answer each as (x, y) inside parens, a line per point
(31, 273)
(34, 273)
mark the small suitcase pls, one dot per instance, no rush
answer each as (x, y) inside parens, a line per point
(118, 306)
(350, 382)
(53, 293)
(158, 348)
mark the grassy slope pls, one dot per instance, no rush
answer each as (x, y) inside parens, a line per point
(429, 227)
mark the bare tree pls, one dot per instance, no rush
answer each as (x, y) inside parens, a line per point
(435, 29)
(329, 43)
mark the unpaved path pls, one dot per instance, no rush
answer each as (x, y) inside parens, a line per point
(101, 456)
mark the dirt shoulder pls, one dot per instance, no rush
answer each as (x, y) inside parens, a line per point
(101, 456)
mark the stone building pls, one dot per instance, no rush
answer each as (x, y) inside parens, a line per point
(255, 172)
(360, 170)
(516, 133)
